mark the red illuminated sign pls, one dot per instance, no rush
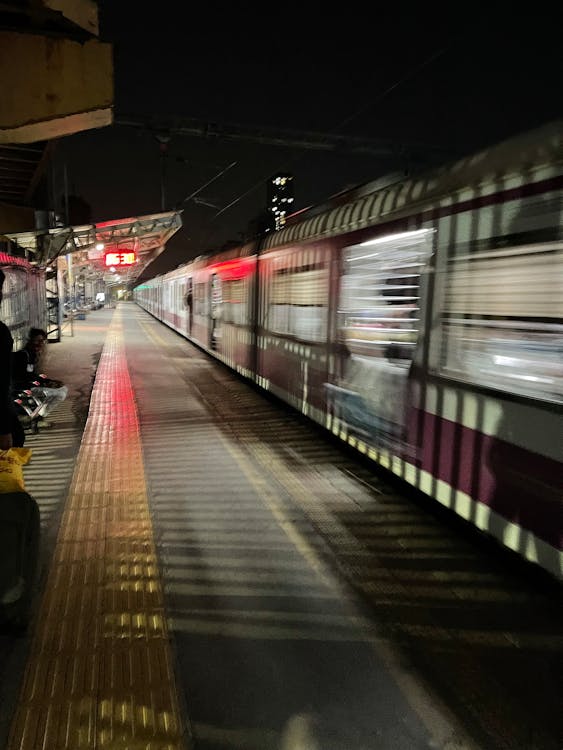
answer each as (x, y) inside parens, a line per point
(125, 258)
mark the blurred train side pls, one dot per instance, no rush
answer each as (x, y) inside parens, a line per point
(24, 302)
(422, 323)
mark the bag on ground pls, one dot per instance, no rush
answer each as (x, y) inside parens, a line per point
(11, 472)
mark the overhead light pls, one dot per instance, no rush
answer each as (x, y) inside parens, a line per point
(413, 235)
(100, 245)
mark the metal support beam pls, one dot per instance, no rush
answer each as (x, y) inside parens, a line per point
(165, 127)
(53, 305)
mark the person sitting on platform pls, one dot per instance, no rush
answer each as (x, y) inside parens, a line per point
(25, 374)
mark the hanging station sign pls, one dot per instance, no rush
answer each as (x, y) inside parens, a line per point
(121, 258)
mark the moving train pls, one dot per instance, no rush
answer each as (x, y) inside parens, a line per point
(421, 322)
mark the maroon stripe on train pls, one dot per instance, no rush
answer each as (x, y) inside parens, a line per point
(503, 196)
(521, 486)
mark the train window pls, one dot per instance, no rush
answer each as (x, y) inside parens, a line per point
(216, 296)
(379, 310)
(200, 299)
(502, 321)
(234, 301)
(298, 301)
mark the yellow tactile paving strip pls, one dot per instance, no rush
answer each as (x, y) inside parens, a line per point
(100, 672)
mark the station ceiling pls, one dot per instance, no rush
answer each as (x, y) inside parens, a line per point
(103, 250)
(21, 166)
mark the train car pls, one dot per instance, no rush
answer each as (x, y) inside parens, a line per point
(211, 302)
(422, 323)
(24, 301)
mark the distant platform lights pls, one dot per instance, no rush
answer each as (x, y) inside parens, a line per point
(280, 197)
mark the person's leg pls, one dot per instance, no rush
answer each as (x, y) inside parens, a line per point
(50, 397)
(51, 383)
(18, 433)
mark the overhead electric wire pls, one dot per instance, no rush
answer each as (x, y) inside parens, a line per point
(427, 61)
(216, 177)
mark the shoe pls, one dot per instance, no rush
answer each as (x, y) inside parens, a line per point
(13, 594)
(44, 424)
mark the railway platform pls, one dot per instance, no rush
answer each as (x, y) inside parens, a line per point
(215, 573)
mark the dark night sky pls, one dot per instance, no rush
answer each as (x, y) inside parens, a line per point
(453, 82)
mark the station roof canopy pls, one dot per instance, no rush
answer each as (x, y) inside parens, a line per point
(21, 166)
(143, 236)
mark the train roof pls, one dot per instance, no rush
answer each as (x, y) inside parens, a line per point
(394, 195)
(367, 204)
(201, 261)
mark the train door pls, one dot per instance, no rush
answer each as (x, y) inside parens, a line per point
(215, 311)
(379, 324)
(189, 304)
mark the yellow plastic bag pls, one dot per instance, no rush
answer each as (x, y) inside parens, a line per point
(11, 473)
